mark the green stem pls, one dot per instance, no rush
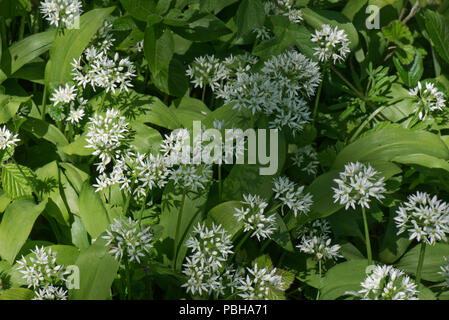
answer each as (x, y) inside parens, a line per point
(241, 242)
(367, 240)
(203, 95)
(317, 97)
(422, 252)
(365, 123)
(128, 200)
(44, 103)
(320, 274)
(265, 245)
(178, 226)
(143, 207)
(22, 27)
(128, 279)
(220, 185)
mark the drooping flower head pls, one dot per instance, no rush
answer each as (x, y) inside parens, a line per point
(424, 218)
(126, 238)
(315, 238)
(332, 44)
(428, 99)
(253, 217)
(294, 197)
(387, 283)
(358, 183)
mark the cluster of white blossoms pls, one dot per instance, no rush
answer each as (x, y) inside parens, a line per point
(214, 72)
(263, 33)
(127, 238)
(8, 140)
(279, 90)
(306, 159)
(358, 183)
(445, 271)
(284, 8)
(106, 134)
(206, 267)
(424, 217)
(96, 68)
(292, 196)
(332, 44)
(387, 283)
(41, 272)
(50, 292)
(427, 99)
(67, 103)
(258, 283)
(253, 217)
(315, 238)
(61, 13)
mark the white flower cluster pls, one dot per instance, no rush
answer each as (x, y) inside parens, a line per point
(428, 99)
(292, 196)
(106, 135)
(357, 184)
(64, 98)
(127, 238)
(211, 71)
(306, 159)
(263, 33)
(253, 217)
(206, 267)
(284, 8)
(7, 139)
(278, 90)
(425, 218)
(50, 292)
(258, 283)
(41, 272)
(387, 283)
(99, 70)
(445, 271)
(315, 238)
(61, 13)
(332, 44)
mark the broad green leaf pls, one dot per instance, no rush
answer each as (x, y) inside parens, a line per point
(392, 246)
(15, 180)
(281, 235)
(159, 47)
(159, 114)
(17, 294)
(146, 139)
(433, 260)
(250, 16)
(43, 130)
(16, 225)
(9, 105)
(14, 8)
(215, 6)
(139, 9)
(437, 27)
(398, 33)
(65, 255)
(390, 142)
(224, 214)
(97, 272)
(189, 109)
(423, 160)
(343, 277)
(24, 51)
(412, 73)
(71, 44)
(92, 211)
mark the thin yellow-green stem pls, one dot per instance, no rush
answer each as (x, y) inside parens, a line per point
(422, 252)
(367, 240)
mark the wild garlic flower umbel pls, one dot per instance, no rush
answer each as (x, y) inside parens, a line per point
(7, 138)
(306, 159)
(445, 271)
(206, 266)
(259, 283)
(65, 101)
(206, 70)
(387, 283)
(97, 69)
(358, 183)
(294, 197)
(253, 217)
(428, 99)
(284, 8)
(332, 44)
(315, 238)
(106, 135)
(424, 217)
(50, 292)
(279, 90)
(61, 13)
(41, 272)
(128, 239)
